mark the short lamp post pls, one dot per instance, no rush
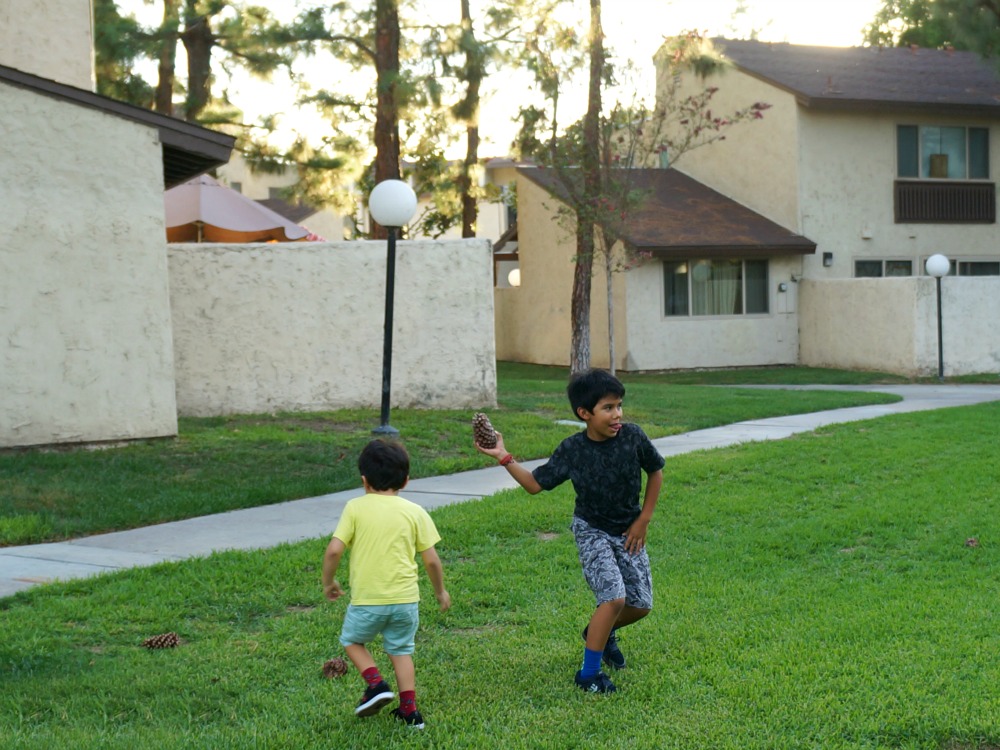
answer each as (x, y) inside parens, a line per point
(937, 266)
(392, 204)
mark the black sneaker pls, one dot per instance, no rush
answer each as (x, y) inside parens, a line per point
(413, 720)
(374, 699)
(599, 683)
(612, 655)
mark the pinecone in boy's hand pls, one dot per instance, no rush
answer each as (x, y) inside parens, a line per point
(483, 432)
(335, 667)
(165, 640)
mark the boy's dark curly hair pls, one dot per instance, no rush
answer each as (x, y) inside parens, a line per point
(385, 465)
(586, 388)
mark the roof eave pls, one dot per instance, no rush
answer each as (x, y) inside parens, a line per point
(685, 252)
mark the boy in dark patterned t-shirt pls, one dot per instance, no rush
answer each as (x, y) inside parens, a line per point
(605, 464)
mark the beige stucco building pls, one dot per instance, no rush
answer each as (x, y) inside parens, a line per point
(85, 335)
(879, 158)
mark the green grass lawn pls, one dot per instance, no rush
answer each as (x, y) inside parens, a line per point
(225, 463)
(815, 592)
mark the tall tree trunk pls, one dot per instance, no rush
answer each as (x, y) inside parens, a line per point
(474, 74)
(387, 39)
(606, 247)
(164, 102)
(470, 208)
(583, 272)
(198, 42)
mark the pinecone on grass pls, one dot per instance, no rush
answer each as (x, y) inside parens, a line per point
(335, 667)
(483, 432)
(164, 640)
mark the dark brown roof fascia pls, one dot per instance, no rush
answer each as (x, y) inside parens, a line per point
(828, 104)
(686, 252)
(188, 149)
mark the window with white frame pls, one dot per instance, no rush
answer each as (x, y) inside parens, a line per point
(943, 152)
(715, 287)
(873, 269)
(979, 267)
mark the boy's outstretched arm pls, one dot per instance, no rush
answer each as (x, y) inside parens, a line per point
(331, 561)
(635, 537)
(435, 571)
(521, 475)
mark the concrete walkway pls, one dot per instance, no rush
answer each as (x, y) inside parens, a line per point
(297, 520)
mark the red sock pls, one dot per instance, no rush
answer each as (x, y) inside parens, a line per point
(372, 676)
(407, 702)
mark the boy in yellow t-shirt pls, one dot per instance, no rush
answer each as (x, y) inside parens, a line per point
(385, 532)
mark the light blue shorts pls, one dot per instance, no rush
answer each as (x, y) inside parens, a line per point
(396, 622)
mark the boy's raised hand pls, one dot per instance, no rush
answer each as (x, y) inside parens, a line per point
(497, 452)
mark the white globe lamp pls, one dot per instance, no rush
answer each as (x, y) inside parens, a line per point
(392, 204)
(937, 266)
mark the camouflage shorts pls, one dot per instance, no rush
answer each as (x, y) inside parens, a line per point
(611, 572)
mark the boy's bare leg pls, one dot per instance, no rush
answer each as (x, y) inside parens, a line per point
(359, 656)
(628, 615)
(604, 618)
(406, 673)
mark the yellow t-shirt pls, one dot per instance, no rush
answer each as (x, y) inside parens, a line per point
(384, 534)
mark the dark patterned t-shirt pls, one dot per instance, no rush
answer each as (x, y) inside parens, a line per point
(606, 474)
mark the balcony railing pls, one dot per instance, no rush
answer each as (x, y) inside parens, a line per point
(945, 202)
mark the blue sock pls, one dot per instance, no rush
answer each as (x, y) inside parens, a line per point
(591, 662)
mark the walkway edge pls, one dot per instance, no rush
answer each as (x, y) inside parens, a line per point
(298, 520)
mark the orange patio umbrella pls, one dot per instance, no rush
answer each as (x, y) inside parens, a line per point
(202, 210)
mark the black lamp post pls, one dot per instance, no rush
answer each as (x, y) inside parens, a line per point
(392, 204)
(937, 266)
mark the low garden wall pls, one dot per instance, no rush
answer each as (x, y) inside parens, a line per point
(299, 326)
(891, 325)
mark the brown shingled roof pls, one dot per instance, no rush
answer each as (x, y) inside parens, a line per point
(683, 218)
(886, 78)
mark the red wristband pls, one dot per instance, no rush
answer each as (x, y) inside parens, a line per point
(506, 460)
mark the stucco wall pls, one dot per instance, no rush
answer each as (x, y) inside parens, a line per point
(533, 321)
(49, 38)
(891, 324)
(85, 344)
(660, 342)
(299, 326)
(757, 163)
(848, 171)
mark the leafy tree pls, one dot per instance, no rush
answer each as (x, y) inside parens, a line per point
(960, 24)
(241, 35)
(455, 63)
(627, 137)
(368, 38)
(117, 47)
(901, 23)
